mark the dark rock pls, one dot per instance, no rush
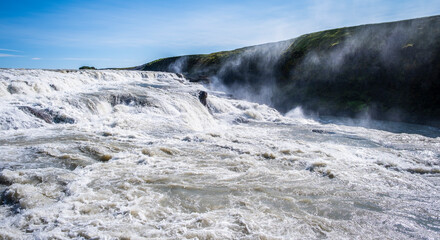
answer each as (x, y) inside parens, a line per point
(13, 89)
(48, 115)
(318, 168)
(54, 87)
(41, 114)
(202, 97)
(423, 171)
(4, 180)
(180, 75)
(10, 198)
(167, 150)
(105, 157)
(268, 156)
(186, 139)
(63, 119)
(315, 166)
(129, 99)
(322, 131)
(328, 174)
(241, 120)
(193, 139)
(107, 134)
(95, 153)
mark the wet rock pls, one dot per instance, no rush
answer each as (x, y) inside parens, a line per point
(54, 87)
(129, 99)
(268, 156)
(423, 171)
(318, 168)
(48, 115)
(389, 166)
(63, 119)
(4, 180)
(192, 139)
(180, 75)
(13, 89)
(202, 98)
(8, 198)
(239, 151)
(241, 224)
(328, 174)
(24, 196)
(322, 131)
(41, 114)
(105, 158)
(147, 152)
(166, 150)
(241, 120)
(95, 153)
(314, 166)
(186, 139)
(285, 152)
(107, 134)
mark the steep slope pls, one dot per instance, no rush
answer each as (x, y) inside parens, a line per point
(388, 71)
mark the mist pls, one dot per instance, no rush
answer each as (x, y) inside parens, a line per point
(386, 71)
(252, 75)
(383, 71)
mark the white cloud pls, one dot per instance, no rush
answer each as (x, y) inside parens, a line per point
(35, 58)
(7, 55)
(9, 50)
(152, 32)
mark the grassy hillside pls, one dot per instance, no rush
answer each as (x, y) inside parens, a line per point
(389, 71)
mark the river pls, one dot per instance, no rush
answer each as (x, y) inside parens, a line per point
(134, 155)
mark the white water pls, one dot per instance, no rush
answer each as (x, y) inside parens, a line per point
(179, 171)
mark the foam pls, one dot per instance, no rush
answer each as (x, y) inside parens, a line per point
(234, 170)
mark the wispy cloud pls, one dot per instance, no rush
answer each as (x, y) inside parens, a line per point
(4, 55)
(146, 30)
(35, 58)
(9, 50)
(201, 25)
(8, 55)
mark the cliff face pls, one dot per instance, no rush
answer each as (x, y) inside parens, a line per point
(388, 71)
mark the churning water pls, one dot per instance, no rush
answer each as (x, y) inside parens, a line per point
(133, 155)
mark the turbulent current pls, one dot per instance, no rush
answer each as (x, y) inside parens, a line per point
(136, 155)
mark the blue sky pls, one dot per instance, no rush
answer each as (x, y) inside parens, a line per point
(115, 33)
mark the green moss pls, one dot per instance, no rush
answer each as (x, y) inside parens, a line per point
(334, 44)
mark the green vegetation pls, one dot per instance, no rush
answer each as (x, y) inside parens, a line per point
(389, 70)
(87, 68)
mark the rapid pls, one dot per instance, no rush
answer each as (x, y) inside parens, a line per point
(135, 155)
